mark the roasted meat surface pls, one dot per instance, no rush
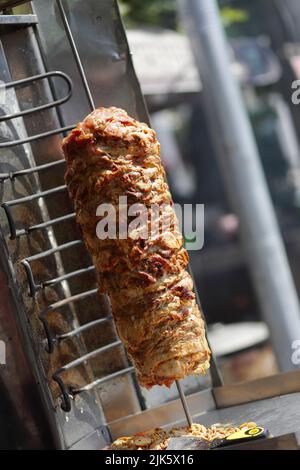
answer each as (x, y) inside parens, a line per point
(111, 155)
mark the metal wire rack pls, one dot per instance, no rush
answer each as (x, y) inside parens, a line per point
(53, 340)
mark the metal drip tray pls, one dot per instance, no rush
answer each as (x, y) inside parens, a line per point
(280, 415)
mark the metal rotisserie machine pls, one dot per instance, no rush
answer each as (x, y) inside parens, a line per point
(66, 374)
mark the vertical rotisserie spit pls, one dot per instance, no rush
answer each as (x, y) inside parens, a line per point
(113, 159)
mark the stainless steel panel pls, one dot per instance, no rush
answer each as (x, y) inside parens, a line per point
(94, 441)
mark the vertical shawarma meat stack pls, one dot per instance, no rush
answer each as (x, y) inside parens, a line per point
(144, 272)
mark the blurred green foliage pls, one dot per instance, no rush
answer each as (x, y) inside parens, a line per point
(149, 12)
(163, 13)
(22, 10)
(233, 15)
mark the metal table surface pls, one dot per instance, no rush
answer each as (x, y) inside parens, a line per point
(280, 415)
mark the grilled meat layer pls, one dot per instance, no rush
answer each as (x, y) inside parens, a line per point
(144, 272)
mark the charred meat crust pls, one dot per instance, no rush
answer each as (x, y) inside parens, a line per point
(110, 155)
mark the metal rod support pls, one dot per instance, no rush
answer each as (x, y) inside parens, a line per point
(43, 107)
(107, 378)
(76, 53)
(65, 277)
(43, 135)
(28, 171)
(184, 403)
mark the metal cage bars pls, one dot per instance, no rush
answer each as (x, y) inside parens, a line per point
(43, 107)
(34, 286)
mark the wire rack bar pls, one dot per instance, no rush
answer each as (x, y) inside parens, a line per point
(28, 171)
(43, 135)
(51, 339)
(87, 357)
(23, 200)
(25, 82)
(44, 225)
(32, 197)
(102, 380)
(83, 328)
(67, 394)
(33, 287)
(65, 277)
(67, 300)
(51, 251)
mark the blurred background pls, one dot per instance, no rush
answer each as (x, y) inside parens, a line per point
(264, 43)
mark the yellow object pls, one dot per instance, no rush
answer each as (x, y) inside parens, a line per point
(243, 434)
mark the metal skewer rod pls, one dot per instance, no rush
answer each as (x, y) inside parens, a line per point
(184, 403)
(76, 53)
(92, 105)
